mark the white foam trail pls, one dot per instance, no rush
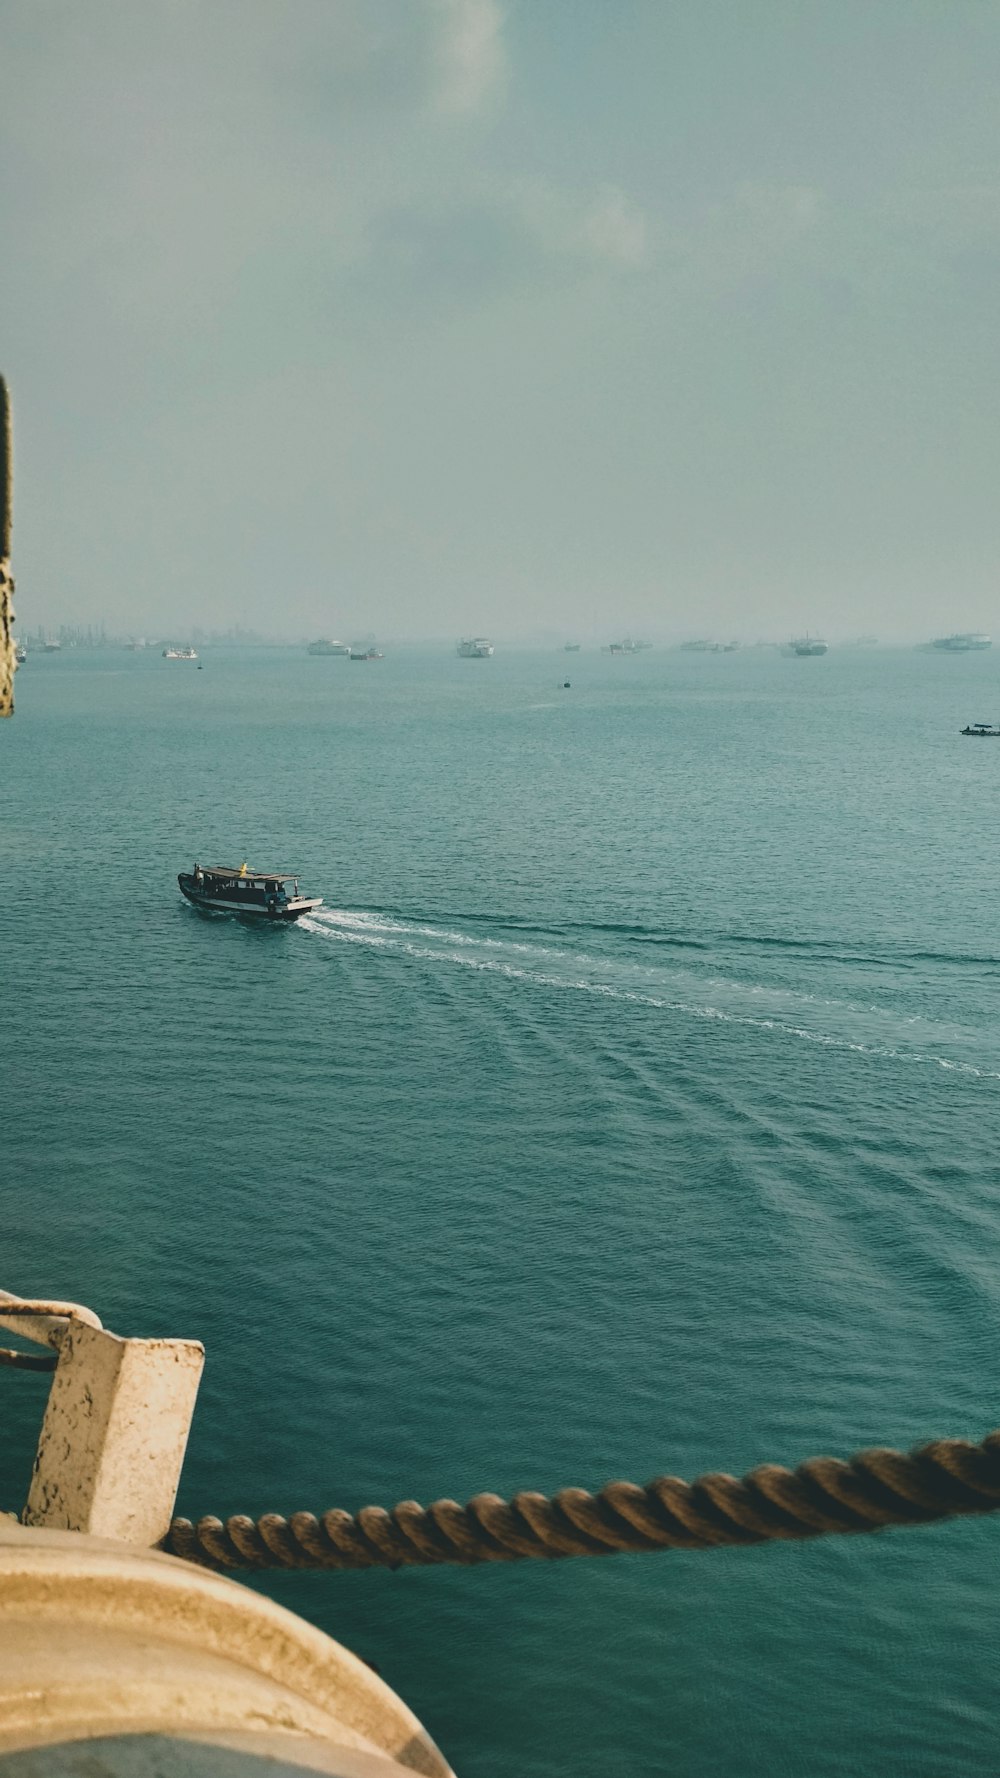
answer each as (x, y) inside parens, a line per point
(378, 924)
(465, 950)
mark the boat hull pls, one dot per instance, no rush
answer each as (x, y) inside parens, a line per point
(217, 904)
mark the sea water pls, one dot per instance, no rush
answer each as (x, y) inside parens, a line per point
(629, 1107)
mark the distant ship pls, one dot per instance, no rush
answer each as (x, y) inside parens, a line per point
(702, 646)
(475, 648)
(326, 645)
(807, 645)
(981, 728)
(180, 654)
(571, 647)
(625, 646)
(51, 647)
(366, 654)
(20, 653)
(963, 642)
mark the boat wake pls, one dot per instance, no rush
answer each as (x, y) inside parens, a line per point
(866, 1029)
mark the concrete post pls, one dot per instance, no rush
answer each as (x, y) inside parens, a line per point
(114, 1435)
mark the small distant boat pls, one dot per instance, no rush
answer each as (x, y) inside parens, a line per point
(963, 642)
(367, 654)
(180, 654)
(981, 728)
(20, 653)
(228, 889)
(571, 647)
(51, 647)
(475, 648)
(327, 645)
(808, 645)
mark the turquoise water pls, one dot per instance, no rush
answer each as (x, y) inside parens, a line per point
(631, 1106)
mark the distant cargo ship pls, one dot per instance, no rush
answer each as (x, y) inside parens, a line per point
(702, 646)
(475, 648)
(963, 642)
(808, 645)
(626, 646)
(326, 645)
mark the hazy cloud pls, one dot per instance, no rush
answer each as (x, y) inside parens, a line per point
(614, 228)
(497, 238)
(969, 210)
(471, 62)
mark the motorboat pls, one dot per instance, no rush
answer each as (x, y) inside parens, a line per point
(475, 648)
(327, 645)
(231, 889)
(981, 728)
(180, 654)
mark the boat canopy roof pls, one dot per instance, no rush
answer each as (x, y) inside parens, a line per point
(236, 870)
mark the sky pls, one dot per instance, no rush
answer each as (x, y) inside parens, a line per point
(521, 317)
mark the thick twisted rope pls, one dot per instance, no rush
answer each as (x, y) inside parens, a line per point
(875, 1489)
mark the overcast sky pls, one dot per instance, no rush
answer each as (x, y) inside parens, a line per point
(433, 316)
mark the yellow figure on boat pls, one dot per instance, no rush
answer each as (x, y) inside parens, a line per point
(243, 868)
